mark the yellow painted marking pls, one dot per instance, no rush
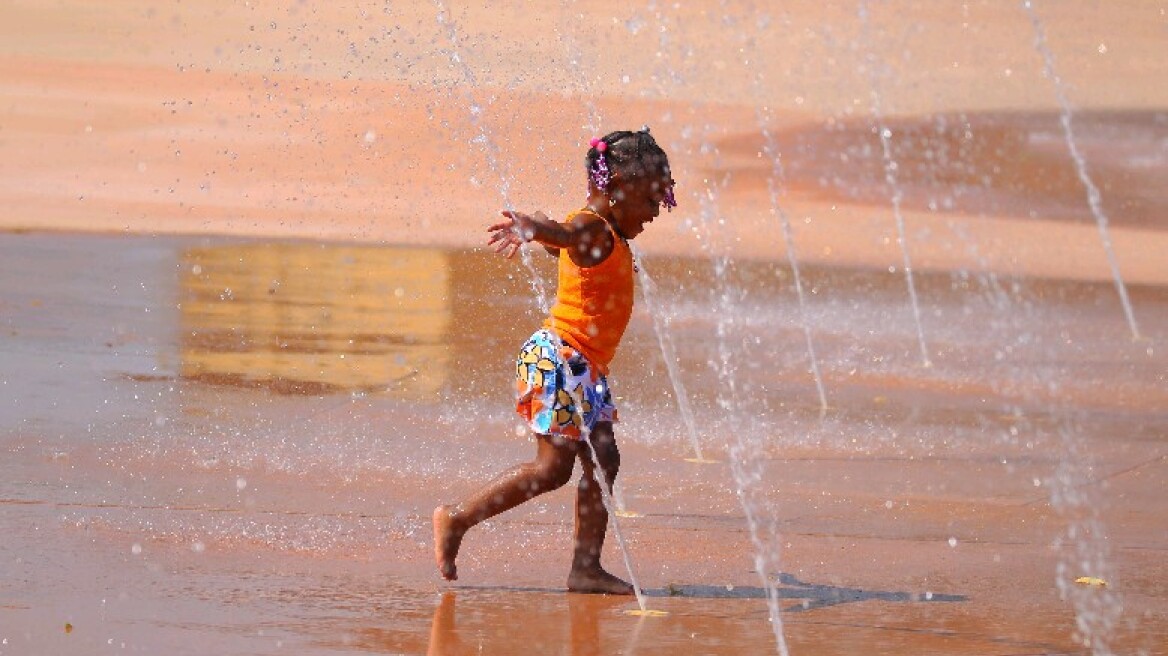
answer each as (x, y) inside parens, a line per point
(648, 612)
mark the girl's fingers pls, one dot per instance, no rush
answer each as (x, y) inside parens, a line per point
(505, 236)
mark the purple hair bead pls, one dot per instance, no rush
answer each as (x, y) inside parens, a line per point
(670, 201)
(599, 172)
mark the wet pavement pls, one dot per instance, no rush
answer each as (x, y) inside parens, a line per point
(236, 444)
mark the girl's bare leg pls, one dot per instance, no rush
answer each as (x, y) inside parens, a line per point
(551, 468)
(592, 517)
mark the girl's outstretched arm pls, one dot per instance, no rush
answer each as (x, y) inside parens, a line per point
(586, 237)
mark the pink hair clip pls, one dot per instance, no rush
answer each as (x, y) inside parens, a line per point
(598, 144)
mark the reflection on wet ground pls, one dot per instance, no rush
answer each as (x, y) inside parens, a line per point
(474, 621)
(992, 164)
(425, 324)
(253, 433)
(316, 319)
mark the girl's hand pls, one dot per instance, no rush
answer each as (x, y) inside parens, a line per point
(519, 228)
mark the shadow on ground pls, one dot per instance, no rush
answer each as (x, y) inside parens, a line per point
(810, 595)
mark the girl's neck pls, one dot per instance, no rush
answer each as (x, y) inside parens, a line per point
(598, 205)
(607, 218)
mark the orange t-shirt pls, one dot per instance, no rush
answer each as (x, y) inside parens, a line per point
(594, 304)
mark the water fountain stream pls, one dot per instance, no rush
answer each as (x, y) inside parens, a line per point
(1094, 198)
(295, 404)
(1096, 615)
(891, 174)
(490, 148)
(488, 145)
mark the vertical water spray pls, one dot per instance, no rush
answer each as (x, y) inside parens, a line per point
(1097, 612)
(606, 499)
(669, 354)
(770, 150)
(891, 179)
(745, 456)
(1094, 198)
(573, 53)
(488, 144)
(655, 310)
(745, 465)
(744, 451)
(490, 149)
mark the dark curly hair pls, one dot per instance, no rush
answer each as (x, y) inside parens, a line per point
(630, 154)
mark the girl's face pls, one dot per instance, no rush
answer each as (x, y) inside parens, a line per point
(638, 201)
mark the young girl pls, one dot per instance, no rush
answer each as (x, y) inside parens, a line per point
(562, 391)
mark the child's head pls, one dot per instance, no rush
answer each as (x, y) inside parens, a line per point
(632, 172)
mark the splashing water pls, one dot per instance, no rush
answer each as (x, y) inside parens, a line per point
(1096, 612)
(1094, 198)
(890, 177)
(669, 354)
(743, 449)
(489, 147)
(606, 499)
(660, 320)
(771, 150)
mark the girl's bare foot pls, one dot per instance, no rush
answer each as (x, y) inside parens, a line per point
(597, 581)
(446, 542)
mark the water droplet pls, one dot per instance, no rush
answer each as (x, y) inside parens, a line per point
(952, 542)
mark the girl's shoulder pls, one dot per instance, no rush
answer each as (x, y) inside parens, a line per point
(584, 215)
(590, 225)
(594, 239)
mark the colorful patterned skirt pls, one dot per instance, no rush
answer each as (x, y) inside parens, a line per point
(557, 390)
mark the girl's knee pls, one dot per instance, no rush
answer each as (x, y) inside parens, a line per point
(607, 453)
(554, 469)
(556, 475)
